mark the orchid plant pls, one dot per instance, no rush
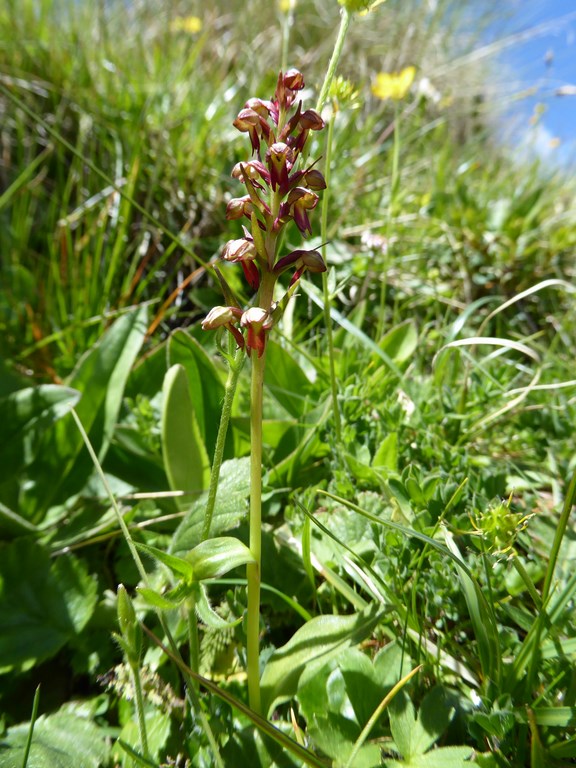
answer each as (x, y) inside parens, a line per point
(280, 189)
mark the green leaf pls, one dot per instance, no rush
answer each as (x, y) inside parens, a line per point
(185, 458)
(250, 747)
(215, 557)
(207, 614)
(177, 565)
(230, 508)
(59, 741)
(413, 736)
(204, 382)
(24, 415)
(165, 602)
(338, 700)
(63, 466)
(387, 454)
(400, 342)
(43, 603)
(445, 757)
(312, 645)
(286, 380)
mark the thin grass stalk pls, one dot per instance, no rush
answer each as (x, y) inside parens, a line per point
(542, 617)
(345, 18)
(325, 291)
(34, 715)
(235, 366)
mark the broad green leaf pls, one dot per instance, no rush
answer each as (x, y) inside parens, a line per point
(387, 454)
(204, 382)
(400, 342)
(157, 731)
(59, 741)
(556, 717)
(286, 380)
(315, 643)
(230, 508)
(185, 458)
(62, 465)
(415, 735)
(403, 726)
(215, 557)
(43, 603)
(24, 415)
(338, 699)
(445, 757)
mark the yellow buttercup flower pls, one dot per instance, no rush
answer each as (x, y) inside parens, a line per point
(286, 5)
(393, 85)
(190, 24)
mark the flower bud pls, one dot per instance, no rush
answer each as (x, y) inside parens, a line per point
(294, 79)
(238, 207)
(239, 250)
(131, 634)
(314, 179)
(220, 316)
(310, 120)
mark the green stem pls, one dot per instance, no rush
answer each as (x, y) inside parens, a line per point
(139, 701)
(229, 392)
(193, 644)
(394, 183)
(253, 569)
(327, 318)
(335, 58)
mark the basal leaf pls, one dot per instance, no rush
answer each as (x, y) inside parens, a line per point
(62, 465)
(185, 458)
(204, 382)
(24, 414)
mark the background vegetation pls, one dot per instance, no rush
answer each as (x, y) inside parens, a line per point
(431, 528)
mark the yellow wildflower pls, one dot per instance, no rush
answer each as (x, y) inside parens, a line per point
(393, 85)
(190, 24)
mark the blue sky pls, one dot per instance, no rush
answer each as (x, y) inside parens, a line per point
(546, 62)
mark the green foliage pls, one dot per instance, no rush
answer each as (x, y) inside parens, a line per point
(62, 740)
(184, 452)
(437, 495)
(44, 610)
(310, 647)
